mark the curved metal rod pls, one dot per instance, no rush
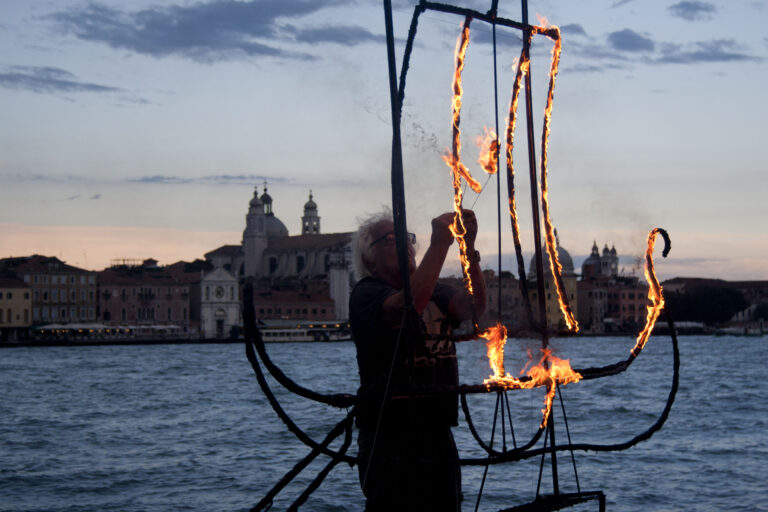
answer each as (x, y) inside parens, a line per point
(250, 332)
(601, 447)
(252, 335)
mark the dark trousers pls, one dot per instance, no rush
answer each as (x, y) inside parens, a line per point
(411, 470)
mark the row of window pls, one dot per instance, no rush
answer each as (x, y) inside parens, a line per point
(60, 279)
(46, 313)
(145, 291)
(64, 295)
(289, 311)
(9, 295)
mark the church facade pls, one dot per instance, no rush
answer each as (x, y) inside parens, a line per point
(313, 265)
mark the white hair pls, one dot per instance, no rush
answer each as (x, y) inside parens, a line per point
(361, 241)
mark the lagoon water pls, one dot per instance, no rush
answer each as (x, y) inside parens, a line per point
(186, 427)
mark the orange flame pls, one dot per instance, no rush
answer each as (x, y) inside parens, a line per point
(497, 338)
(459, 170)
(523, 65)
(655, 295)
(489, 151)
(554, 262)
(550, 372)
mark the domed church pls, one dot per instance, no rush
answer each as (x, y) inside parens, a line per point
(299, 263)
(554, 316)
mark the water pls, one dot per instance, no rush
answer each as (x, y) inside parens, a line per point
(185, 427)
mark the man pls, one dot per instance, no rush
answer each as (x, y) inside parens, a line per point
(408, 459)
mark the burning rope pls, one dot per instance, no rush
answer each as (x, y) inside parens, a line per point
(458, 169)
(655, 294)
(556, 267)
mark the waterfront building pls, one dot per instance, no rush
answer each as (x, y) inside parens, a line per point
(61, 293)
(147, 295)
(219, 304)
(276, 261)
(513, 312)
(608, 300)
(555, 319)
(15, 309)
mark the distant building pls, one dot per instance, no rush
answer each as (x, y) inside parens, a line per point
(61, 293)
(219, 304)
(149, 295)
(15, 309)
(609, 301)
(512, 307)
(276, 261)
(555, 318)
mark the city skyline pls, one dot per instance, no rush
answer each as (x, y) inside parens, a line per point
(139, 129)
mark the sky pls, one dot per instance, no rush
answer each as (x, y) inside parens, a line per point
(138, 129)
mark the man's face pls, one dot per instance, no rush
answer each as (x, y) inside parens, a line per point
(382, 260)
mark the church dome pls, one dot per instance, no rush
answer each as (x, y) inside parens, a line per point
(562, 255)
(310, 205)
(275, 227)
(255, 201)
(266, 198)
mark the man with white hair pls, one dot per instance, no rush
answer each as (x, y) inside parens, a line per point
(408, 458)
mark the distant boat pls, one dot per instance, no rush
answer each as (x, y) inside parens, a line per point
(305, 332)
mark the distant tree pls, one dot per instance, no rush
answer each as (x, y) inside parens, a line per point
(707, 304)
(198, 265)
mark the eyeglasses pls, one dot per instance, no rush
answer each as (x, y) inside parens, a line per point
(390, 237)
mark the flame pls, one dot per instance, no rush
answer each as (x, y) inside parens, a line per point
(497, 338)
(549, 372)
(523, 65)
(655, 295)
(551, 243)
(489, 150)
(458, 169)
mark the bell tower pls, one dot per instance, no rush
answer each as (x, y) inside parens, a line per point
(310, 222)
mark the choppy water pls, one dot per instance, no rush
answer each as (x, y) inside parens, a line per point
(185, 427)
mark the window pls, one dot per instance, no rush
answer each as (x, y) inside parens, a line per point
(10, 295)
(55, 295)
(35, 314)
(73, 296)
(26, 278)
(26, 295)
(91, 279)
(45, 295)
(35, 279)
(45, 313)
(299, 263)
(55, 280)
(1, 295)
(82, 279)
(122, 315)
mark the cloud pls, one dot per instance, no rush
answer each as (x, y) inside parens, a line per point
(630, 41)
(47, 80)
(72, 198)
(692, 11)
(718, 50)
(573, 29)
(619, 3)
(215, 179)
(347, 35)
(95, 197)
(159, 179)
(207, 31)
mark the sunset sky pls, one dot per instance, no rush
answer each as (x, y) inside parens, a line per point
(138, 129)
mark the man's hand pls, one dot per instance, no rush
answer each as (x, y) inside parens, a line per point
(441, 231)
